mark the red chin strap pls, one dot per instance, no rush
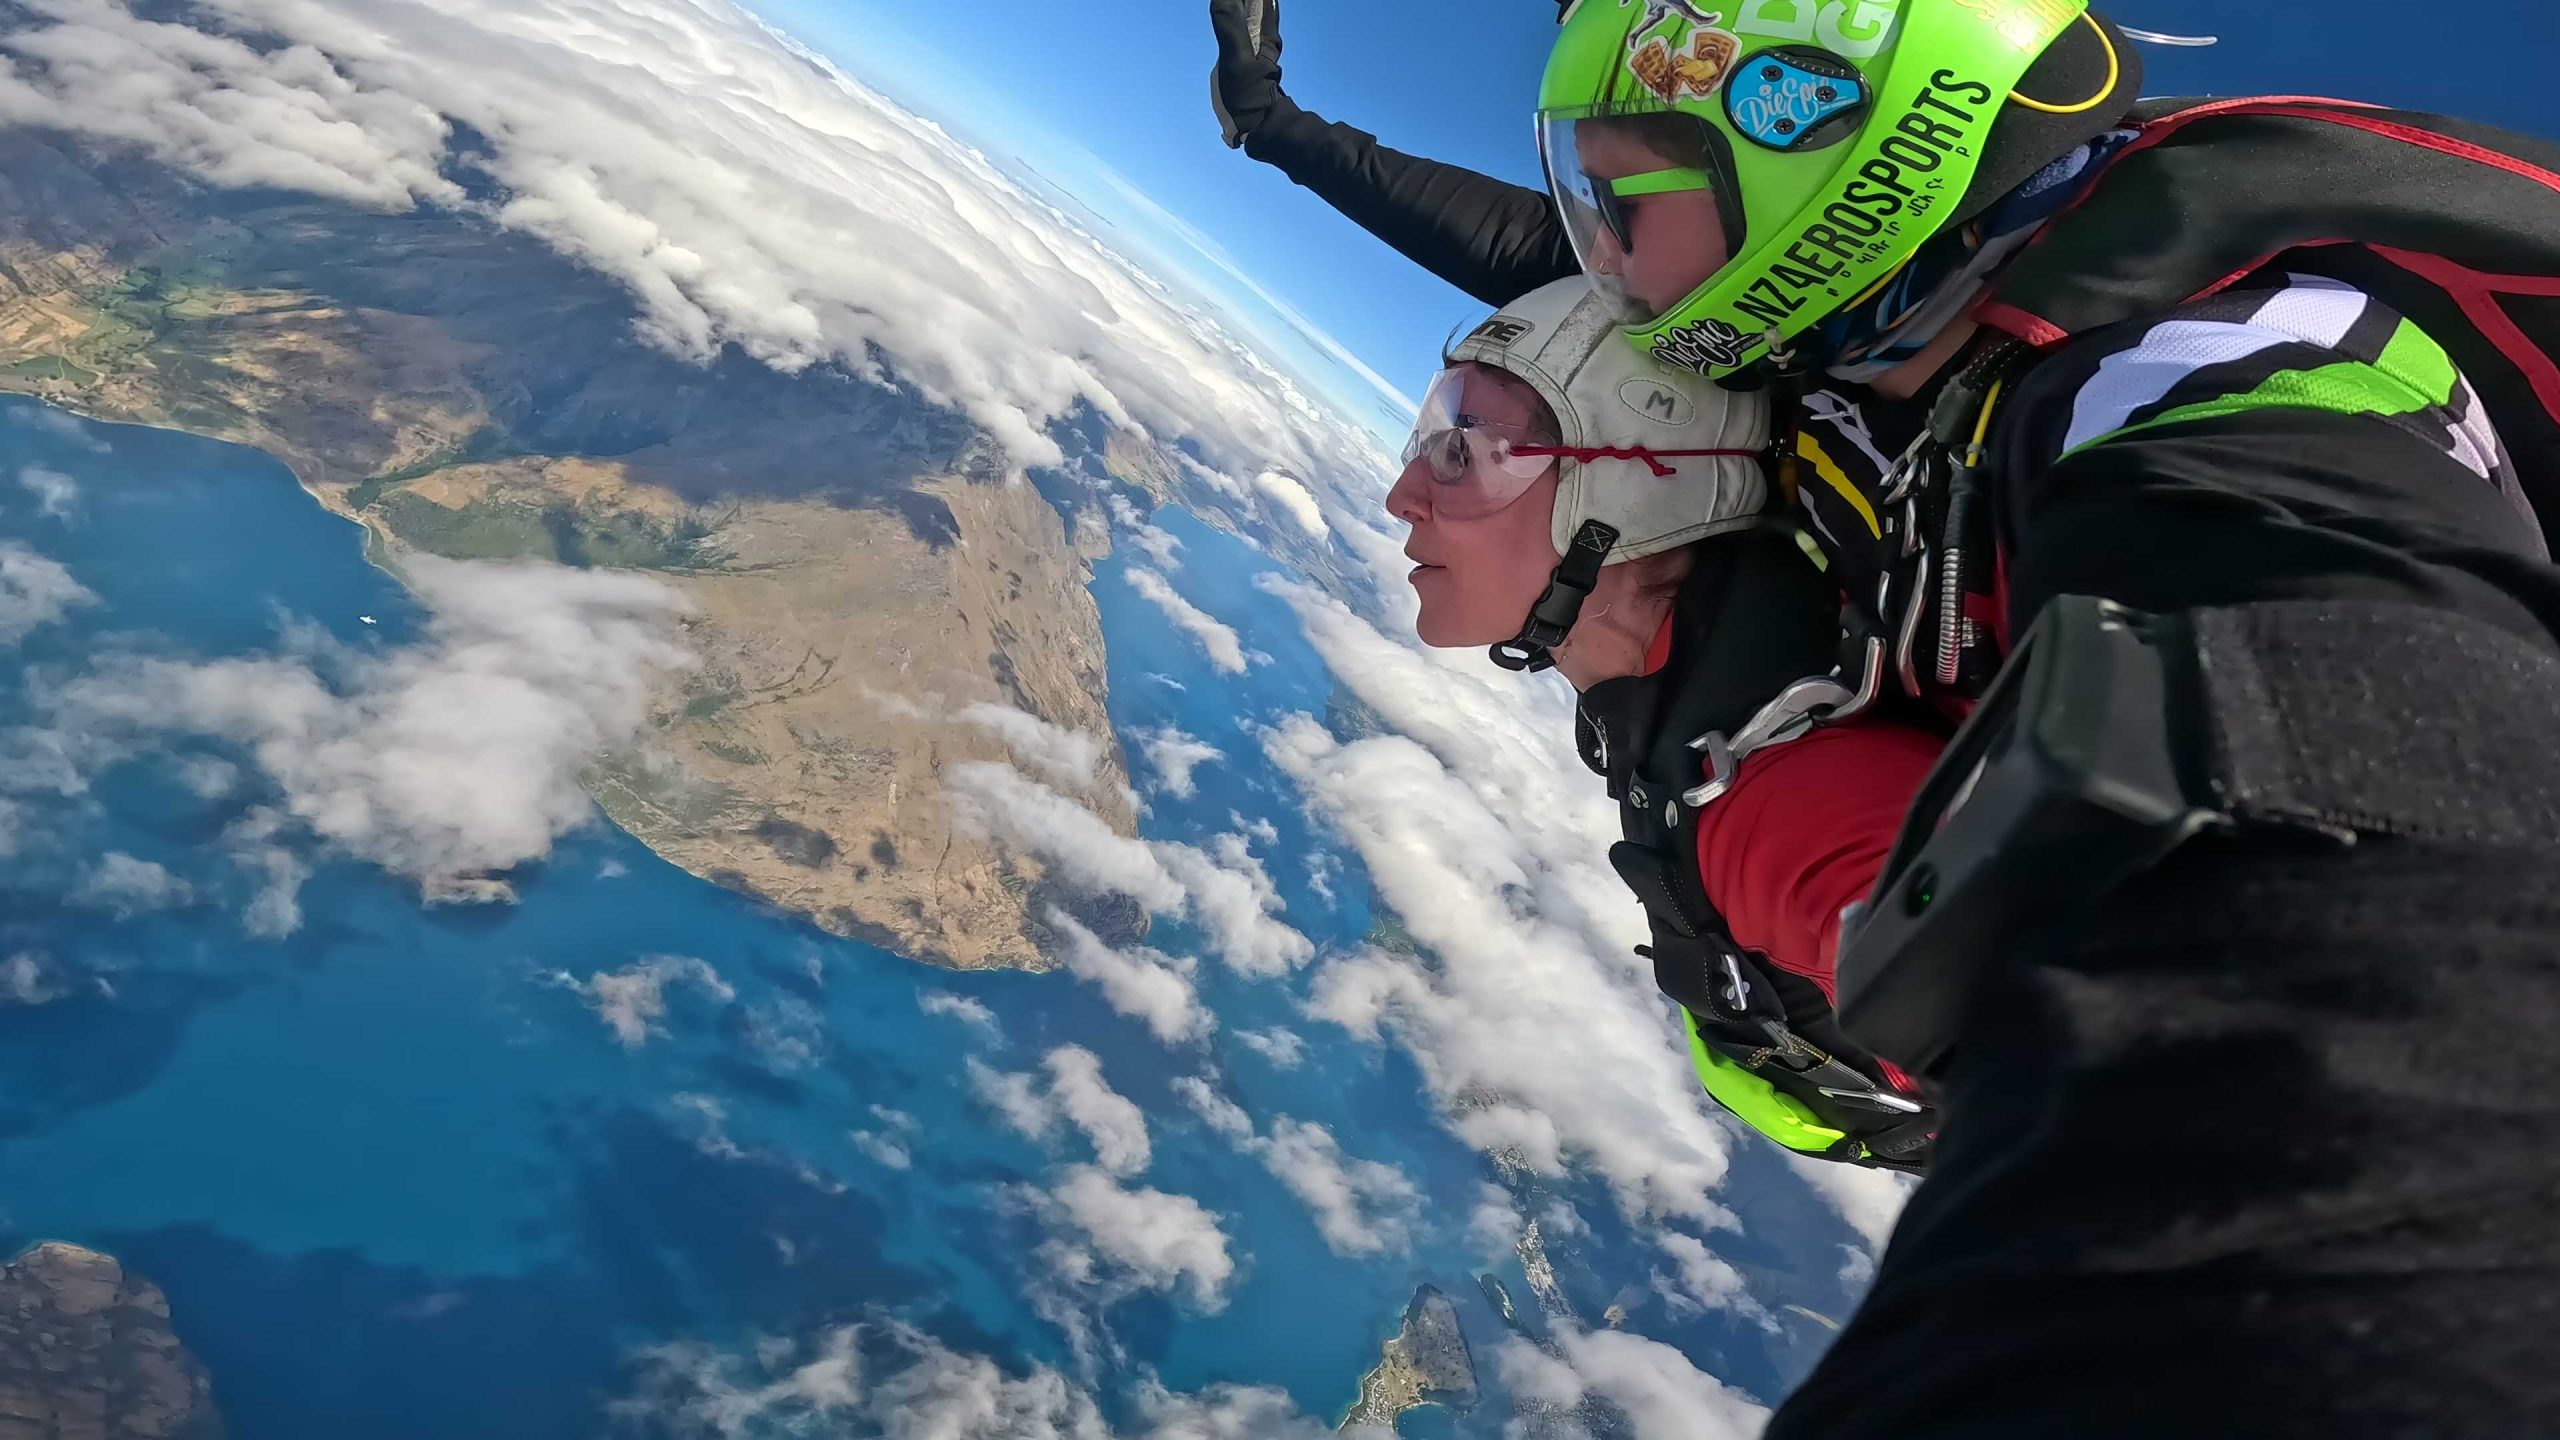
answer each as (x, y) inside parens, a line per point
(1652, 458)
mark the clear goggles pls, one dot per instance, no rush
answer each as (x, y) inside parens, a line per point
(1478, 467)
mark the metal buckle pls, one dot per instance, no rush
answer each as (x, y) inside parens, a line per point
(1741, 987)
(1791, 716)
(1876, 1099)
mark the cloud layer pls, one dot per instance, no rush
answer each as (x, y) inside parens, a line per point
(889, 1380)
(744, 191)
(35, 591)
(1226, 893)
(443, 761)
(1217, 639)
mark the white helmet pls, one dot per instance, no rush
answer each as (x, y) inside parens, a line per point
(1564, 339)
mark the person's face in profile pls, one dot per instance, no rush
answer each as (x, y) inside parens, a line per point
(1477, 576)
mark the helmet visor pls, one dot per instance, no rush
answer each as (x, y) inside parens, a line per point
(1477, 466)
(1647, 201)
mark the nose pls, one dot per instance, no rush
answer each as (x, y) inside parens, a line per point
(1607, 258)
(1409, 499)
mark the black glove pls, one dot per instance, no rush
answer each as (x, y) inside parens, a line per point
(1244, 88)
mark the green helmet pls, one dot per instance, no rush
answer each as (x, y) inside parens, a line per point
(1834, 135)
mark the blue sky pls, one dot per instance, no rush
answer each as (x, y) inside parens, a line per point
(1125, 82)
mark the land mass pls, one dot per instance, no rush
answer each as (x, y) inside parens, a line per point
(86, 1353)
(1426, 1363)
(861, 566)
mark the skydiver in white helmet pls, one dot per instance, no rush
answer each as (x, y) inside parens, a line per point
(1573, 505)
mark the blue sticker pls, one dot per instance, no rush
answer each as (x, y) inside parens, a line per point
(1780, 101)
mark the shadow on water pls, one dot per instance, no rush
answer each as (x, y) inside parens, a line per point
(656, 1237)
(85, 1049)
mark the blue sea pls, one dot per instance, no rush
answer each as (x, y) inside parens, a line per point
(399, 1181)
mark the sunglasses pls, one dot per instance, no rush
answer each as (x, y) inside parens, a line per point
(1608, 198)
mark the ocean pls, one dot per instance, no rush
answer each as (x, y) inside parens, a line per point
(399, 1180)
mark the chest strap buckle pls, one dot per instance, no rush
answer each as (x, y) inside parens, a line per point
(1810, 702)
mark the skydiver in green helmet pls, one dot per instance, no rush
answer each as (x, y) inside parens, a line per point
(2258, 1136)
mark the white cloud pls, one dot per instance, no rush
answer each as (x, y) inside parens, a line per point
(704, 1391)
(1230, 1412)
(275, 910)
(744, 192)
(29, 979)
(1361, 1207)
(1223, 1115)
(886, 1151)
(35, 591)
(1077, 1095)
(1662, 1395)
(631, 1001)
(1494, 1225)
(1291, 499)
(973, 1013)
(713, 1139)
(993, 799)
(786, 1032)
(1578, 1057)
(1066, 756)
(128, 886)
(1704, 1280)
(1870, 1200)
(441, 760)
(1113, 1124)
(1145, 985)
(1157, 544)
(1016, 1098)
(1229, 894)
(1217, 639)
(1281, 1046)
(57, 495)
(1175, 755)
(208, 777)
(890, 1380)
(1161, 1241)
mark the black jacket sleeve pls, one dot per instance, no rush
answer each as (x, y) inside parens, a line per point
(1494, 240)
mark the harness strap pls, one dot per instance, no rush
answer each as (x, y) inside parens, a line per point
(2112, 738)
(1551, 619)
(2379, 718)
(1752, 1057)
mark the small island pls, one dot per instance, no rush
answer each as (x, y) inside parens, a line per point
(86, 1353)
(1427, 1363)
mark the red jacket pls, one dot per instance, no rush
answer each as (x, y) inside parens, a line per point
(1804, 831)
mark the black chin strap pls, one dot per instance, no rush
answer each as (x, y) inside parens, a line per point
(1551, 619)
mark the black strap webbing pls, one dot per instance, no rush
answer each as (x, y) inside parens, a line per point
(2381, 718)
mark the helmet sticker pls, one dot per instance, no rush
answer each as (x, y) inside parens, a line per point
(1859, 29)
(1675, 75)
(1704, 346)
(1795, 99)
(1678, 52)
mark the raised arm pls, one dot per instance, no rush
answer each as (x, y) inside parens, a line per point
(1492, 239)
